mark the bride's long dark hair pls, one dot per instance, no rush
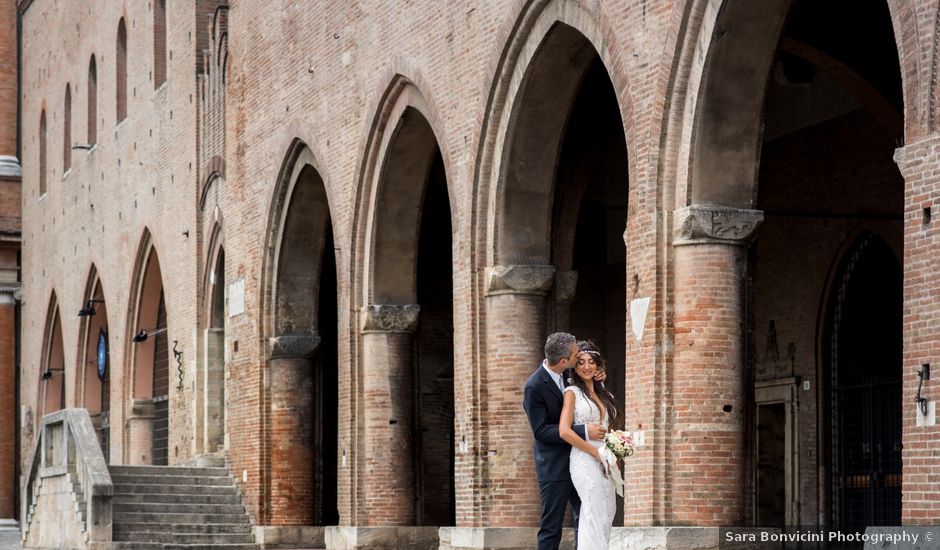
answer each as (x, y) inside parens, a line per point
(615, 421)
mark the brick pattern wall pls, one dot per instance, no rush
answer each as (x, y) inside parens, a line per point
(917, 160)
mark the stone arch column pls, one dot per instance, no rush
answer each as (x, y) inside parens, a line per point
(387, 350)
(292, 476)
(515, 333)
(707, 428)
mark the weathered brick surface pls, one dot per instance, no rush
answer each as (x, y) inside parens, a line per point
(328, 76)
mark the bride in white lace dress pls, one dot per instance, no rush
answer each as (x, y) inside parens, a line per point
(586, 401)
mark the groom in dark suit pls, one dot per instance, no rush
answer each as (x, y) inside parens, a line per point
(542, 402)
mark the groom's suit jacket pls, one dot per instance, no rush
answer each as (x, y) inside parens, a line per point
(542, 402)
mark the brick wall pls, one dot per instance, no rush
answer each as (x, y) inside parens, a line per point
(322, 76)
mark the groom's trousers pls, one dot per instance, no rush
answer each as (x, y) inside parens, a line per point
(555, 496)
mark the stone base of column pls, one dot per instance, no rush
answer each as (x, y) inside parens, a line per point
(663, 538)
(270, 537)
(503, 538)
(382, 538)
(621, 538)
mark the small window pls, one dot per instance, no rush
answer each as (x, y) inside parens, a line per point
(121, 72)
(159, 43)
(67, 131)
(42, 153)
(92, 101)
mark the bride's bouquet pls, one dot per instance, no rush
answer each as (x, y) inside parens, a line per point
(617, 446)
(620, 443)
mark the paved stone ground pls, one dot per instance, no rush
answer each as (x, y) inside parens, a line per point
(9, 539)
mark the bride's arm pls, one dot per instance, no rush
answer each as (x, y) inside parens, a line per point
(568, 434)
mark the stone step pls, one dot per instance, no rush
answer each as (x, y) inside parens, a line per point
(134, 479)
(186, 538)
(175, 489)
(162, 546)
(140, 517)
(178, 508)
(183, 498)
(234, 528)
(168, 470)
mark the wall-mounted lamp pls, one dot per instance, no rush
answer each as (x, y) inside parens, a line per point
(48, 374)
(89, 308)
(147, 333)
(922, 374)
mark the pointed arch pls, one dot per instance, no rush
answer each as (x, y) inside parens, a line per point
(542, 27)
(404, 118)
(299, 285)
(718, 147)
(52, 374)
(93, 364)
(146, 387)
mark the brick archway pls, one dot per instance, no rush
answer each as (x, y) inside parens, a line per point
(93, 391)
(406, 325)
(745, 130)
(300, 325)
(147, 386)
(51, 390)
(550, 177)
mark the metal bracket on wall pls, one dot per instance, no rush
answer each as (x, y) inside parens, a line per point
(178, 355)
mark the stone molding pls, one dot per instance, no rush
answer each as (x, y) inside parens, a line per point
(10, 294)
(10, 167)
(390, 318)
(293, 347)
(700, 224)
(519, 279)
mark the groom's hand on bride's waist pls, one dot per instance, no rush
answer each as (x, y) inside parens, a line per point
(596, 432)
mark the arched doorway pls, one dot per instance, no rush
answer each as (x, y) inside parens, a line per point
(214, 398)
(148, 423)
(555, 251)
(796, 120)
(863, 342)
(303, 350)
(407, 334)
(52, 374)
(95, 361)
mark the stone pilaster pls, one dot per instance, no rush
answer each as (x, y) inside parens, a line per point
(292, 446)
(515, 339)
(388, 406)
(707, 406)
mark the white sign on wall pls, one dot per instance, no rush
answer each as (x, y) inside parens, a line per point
(236, 298)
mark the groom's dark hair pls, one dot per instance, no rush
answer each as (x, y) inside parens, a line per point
(558, 347)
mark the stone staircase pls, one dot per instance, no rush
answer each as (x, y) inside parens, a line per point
(176, 508)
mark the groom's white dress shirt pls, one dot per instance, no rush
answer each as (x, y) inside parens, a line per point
(561, 387)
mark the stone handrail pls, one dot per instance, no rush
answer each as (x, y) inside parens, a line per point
(68, 446)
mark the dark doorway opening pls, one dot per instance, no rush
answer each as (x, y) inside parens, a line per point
(326, 385)
(434, 367)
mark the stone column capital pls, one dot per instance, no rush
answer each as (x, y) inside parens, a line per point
(390, 318)
(701, 224)
(10, 167)
(10, 293)
(293, 346)
(519, 279)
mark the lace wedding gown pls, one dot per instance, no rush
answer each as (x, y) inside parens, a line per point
(595, 489)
